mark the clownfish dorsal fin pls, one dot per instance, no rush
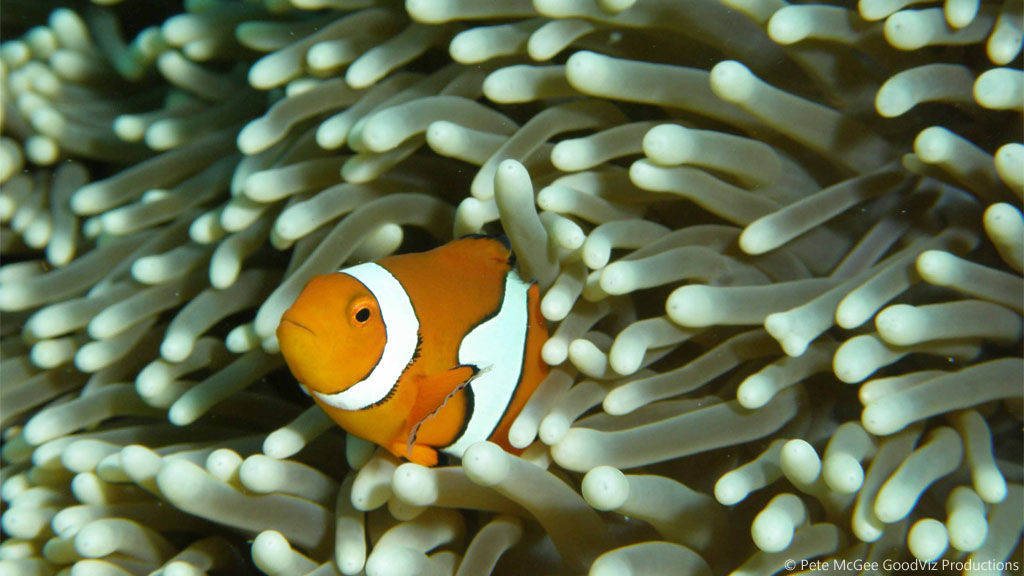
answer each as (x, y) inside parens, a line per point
(433, 392)
(497, 248)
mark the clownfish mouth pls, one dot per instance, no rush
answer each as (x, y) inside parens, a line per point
(294, 323)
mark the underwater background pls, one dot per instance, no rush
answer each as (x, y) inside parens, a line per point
(779, 248)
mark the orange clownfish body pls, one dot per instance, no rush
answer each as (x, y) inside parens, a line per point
(420, 352)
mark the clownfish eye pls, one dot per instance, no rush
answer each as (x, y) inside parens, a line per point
(362, 315)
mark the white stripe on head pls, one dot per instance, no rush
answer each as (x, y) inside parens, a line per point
(497, 347)
(401, 329)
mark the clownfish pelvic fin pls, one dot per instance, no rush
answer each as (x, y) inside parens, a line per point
(416, 453)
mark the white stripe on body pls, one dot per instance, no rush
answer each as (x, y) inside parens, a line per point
(496, 346)
(401, 328)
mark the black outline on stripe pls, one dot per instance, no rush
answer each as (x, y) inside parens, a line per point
(415, 352)
(394, 387)
(471, 405)
(522, 359)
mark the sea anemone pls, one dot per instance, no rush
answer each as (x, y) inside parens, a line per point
(779, 246)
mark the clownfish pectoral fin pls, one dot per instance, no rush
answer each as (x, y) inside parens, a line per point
(434, 391)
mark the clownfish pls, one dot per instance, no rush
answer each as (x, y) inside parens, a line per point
(423, 352)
